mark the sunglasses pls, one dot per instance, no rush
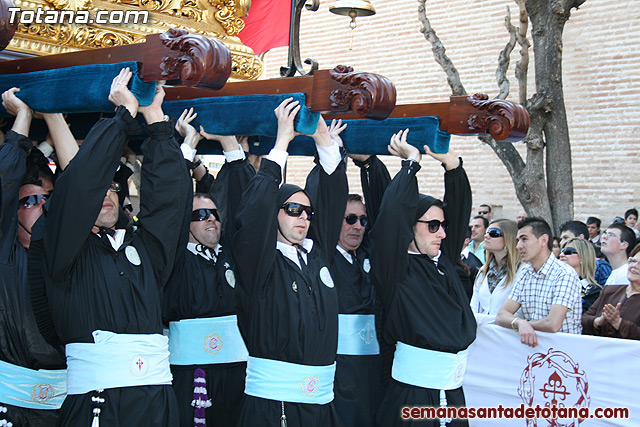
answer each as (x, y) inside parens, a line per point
(115, 187)
(569, 251)
(33, 200)
(295, 210)
(353, 218)
(483, 212)
(494, 232)
(203, 214)
(435, 224)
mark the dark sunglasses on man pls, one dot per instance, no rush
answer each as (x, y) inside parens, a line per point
(483, 212)
(353, 218)
(494, 232)
(33, 200)
(203, 214)
(435, 224)
(295, 210)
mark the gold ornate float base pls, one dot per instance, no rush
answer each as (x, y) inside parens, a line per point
(213, 18)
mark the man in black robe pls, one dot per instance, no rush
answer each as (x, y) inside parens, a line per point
(287, 304)
(207, 351)
(32, 376)
(104, 284)
(413, 269)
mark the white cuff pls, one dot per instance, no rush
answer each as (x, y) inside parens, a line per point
(232, 156)
(329, 157)
(280, 157)
(188, 152)
(45, 148)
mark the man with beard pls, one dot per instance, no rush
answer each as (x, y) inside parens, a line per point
(32, 376)
(104, 283)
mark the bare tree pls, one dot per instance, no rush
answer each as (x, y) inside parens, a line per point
(544, 183)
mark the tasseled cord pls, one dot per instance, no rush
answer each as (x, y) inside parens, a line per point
(97, 402)
(443, 404)
(283, 417)
(200, 399)
(4, 422)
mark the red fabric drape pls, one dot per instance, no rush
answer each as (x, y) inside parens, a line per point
(267, 25)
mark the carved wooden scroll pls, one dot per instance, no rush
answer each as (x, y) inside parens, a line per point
(193, 60)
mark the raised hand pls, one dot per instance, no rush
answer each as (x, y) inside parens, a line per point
(399, 147)
(186, 129)
(286, 113)
(335, 129)
(153, 113)
(120, 93)
(228, 142)
(449, 159)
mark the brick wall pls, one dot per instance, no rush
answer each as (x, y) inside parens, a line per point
(601, 62)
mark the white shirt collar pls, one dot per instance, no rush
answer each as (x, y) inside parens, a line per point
(193, 248)
(434, 259)
(117, 239)
(345, 254)
(290, 251)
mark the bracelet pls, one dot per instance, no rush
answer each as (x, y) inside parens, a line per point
(513, 324)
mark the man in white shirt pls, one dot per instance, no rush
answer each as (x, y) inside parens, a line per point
(616, 243)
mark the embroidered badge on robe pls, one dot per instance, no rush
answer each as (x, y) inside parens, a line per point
(366, 265)
(132, 255)
(231, 278)
(325, 276)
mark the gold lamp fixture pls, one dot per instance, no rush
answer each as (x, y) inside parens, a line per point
(353, 9)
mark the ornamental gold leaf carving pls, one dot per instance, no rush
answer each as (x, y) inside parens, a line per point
(70, 4)
(230, 13)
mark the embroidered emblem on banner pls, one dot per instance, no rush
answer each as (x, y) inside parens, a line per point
(231, 278)
(212, 344)
(132, 255)
(42, 393)
(366, 265)
(560, 383)
(139, 365)
(368, 333)
(310, 385)
(325, 276)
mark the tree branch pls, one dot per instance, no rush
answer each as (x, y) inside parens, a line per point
(503, 58)
(439, 52)
(522, 66)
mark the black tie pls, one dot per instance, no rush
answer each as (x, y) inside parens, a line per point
(103, 231)
(299, 250)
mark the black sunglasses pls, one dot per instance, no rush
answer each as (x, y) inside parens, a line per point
(494, 232)
(203, 214)
(435, 224)
(33, 200)
(295, 210)
(569, 251)
(483, 212)
(353, 218)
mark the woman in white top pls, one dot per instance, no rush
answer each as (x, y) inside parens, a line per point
(496, 276)
(580, 255)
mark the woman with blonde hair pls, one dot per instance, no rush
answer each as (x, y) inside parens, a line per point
(496, 276)
(579, 254)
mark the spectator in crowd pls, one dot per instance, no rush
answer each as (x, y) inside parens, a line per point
(555, 246)
(630, 220)
(199, 297)
(286, 301)
(470, 260)
(577, 229)
(579, 254)
(415, 245)
(616, 312)
(547, 290)
(571, 229)
(485, 211)
(616, 244)
(521, 215)
(478, 226)
(27, 361)
(494, 280)
(106, 282)
(593, 225)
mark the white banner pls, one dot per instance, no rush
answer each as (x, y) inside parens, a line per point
(564, 370)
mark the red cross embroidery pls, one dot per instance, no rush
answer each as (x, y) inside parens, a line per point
(139, 363)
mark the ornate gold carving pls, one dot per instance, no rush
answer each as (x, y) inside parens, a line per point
(78, 35)
(229, 14)
(245, 67)
(70, 4)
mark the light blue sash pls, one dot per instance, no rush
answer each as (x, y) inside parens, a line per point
(357, 335)
(28, 388)
(289, 382)
(206, 341)
(117, 360)
(428, 368)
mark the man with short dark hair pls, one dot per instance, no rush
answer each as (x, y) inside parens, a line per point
(616, 243)
(547, 290)
(593, 225)
(571, 229)
(485, 211)
(479, 225)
